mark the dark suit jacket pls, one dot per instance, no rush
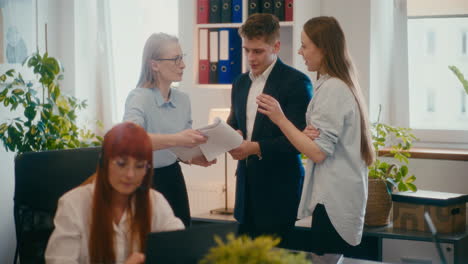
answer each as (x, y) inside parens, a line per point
(272, 185)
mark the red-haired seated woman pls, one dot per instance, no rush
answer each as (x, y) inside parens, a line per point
(107, 220)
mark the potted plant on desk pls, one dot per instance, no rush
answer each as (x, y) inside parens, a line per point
(384, 177)
(246, 250)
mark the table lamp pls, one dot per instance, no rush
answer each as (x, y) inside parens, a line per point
(223, 114)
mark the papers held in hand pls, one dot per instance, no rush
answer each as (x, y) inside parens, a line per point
(221, 138)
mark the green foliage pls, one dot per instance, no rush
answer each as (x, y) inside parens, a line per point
(400, 140)
(244, 250)
(460, 77)
(49, 123)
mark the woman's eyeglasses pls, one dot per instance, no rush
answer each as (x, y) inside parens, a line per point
(177, 59)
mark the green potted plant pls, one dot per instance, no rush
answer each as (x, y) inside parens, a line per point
(46, 118)
(385, 176)
(244, 250)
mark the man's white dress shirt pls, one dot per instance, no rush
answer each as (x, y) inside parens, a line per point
(256, 88)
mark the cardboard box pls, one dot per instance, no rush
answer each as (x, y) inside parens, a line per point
(447, 210)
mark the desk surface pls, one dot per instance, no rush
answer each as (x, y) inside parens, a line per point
(304, 223)
(383, 232)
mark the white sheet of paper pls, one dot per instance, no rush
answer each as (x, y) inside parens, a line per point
(221, 138)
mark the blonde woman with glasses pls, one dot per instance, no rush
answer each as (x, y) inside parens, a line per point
(165, 113)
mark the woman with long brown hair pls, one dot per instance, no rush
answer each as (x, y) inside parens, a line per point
(337, 140)
(107, 220)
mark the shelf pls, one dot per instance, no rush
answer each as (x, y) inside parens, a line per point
(286, 23)
(432, 153)
(213, 86)
(219, 25)
(237, 25)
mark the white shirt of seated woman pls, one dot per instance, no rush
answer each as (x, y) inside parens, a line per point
(107, 219)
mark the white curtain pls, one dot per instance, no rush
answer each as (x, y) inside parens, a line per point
(389, 61)
(94, 72)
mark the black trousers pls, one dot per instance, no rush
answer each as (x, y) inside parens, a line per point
(170, 182)
(324, 236)
(254, 228)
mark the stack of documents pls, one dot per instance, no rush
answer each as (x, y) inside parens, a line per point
(221, 138)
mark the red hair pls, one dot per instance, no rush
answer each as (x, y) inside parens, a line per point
(123, 140)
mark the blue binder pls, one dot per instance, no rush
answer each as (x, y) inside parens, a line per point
(235, 53)
(236, 11)
(230, 55)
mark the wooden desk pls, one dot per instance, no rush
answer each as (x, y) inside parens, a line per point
(378, 244)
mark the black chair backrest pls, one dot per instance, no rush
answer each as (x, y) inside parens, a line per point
(41, 178)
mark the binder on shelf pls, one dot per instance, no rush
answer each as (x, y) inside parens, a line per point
(278, 9)
(230, 55)
(288, 10)
(226, 11)
(203, 62)
(235, 54)
(203, 7)
(236, 11)
(254, 7)
(213, 56)
(224, 70)
(215, 11)
(267, 6)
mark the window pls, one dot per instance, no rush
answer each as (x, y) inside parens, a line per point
(464, 43)
(437, 37)
(429, 76)
(463, 100)
(430, 42)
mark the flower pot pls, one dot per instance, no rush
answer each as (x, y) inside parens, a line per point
(379, 204)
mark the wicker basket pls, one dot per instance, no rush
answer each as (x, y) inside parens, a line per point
(379, 204)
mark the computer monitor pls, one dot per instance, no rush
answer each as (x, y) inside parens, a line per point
(185, 246)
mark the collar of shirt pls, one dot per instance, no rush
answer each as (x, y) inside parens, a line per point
(321, 80)
(265, 73)
(160, 99)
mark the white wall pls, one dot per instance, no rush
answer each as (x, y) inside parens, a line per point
(355, 19)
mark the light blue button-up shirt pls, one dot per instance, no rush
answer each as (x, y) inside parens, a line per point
(147, 108)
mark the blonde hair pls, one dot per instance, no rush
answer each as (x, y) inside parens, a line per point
(154, 49)
(327, 35)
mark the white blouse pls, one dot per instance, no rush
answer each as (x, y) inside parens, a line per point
(340, 181)
(69, 241)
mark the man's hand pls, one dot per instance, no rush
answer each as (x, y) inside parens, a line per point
(136, 258)
(201, 161)
(246, 149)
(311, 132)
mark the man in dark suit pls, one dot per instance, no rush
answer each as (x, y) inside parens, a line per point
(269, 171)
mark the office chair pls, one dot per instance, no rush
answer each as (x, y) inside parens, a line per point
(41, 178)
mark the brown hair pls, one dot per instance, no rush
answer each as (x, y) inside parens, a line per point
(327, 35)
(264, 26)
(125, 139)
